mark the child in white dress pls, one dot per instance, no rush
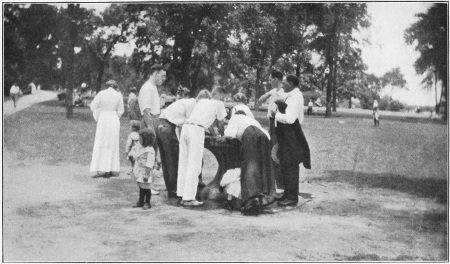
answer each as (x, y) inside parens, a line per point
(132, 139)
(144, 156)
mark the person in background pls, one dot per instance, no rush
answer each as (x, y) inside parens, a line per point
(375, 104)
(241, 101)
(376, 117)
(293, 147)
(310, 107)
(15, 92)
(144, 155)
(275, 80)
(256, 178)
(133, 113)
(132, 139)
(192, 141)
(107, 107)
(167, 133)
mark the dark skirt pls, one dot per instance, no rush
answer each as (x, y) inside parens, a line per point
(257, 178)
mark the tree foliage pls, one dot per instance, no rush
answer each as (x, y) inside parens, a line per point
(429, 35)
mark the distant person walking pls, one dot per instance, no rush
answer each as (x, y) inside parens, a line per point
(375, 104)
(107, 108)
(15, 92)
(133, 107)
(310, 107)
(376, 116)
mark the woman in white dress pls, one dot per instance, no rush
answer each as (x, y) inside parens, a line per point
(107, 107)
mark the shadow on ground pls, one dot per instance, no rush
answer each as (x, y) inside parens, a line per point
(421, 187)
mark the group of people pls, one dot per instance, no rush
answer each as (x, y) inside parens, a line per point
(176, 134)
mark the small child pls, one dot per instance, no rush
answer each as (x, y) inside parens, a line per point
(144, 155)
(132, 139)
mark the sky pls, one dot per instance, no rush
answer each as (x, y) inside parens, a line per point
(387, 48)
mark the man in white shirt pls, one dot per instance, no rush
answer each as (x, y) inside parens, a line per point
(276, 81)
(149, 100)
(14, 92)
(171, 120)
(192, 141)
(293, 147)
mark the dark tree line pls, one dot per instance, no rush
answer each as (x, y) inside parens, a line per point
(203, 44)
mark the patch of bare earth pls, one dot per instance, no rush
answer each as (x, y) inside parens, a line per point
(59, 213)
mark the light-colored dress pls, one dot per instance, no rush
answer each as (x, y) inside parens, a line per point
(107, 107)
(144, 158)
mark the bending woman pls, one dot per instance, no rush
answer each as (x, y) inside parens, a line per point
(257, 178)
(107, 108)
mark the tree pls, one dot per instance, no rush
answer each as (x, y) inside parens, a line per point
(430, 34)
(336, 29)
(112, 28)
(30, 37)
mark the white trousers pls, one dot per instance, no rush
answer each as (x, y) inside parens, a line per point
(192, 141)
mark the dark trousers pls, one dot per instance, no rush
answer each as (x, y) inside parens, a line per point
(290, 172)
(169, 148)
(276, 167)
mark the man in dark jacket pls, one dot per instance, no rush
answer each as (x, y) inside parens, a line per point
(293, 147)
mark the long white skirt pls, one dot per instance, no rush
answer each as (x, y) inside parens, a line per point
(105, 156)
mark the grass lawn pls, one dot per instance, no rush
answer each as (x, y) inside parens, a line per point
(398, 154)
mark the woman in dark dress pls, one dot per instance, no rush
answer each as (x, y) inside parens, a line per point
(257, 177)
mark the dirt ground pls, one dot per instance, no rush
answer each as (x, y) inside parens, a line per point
(59, 213)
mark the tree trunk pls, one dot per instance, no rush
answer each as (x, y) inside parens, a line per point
(436, 93)
(329, 85)
(350, 102)
(334, 86)
(70, 58)
(196, 71)
(101, 69)
(258, 86)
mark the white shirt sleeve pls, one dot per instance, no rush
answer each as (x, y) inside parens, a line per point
(221, 111)
(232, 128)
(144, 98)
(292, 111)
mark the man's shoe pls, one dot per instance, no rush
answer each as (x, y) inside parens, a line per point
(172, 194)
(146, 206)
(193, 203)
(154, 191)
(288, 202)
(138, 204)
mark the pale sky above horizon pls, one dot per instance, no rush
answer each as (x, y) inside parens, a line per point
(387, 48)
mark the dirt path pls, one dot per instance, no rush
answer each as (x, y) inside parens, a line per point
(59, 213)
(26, 101)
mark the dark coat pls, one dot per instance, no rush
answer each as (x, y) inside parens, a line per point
(292, 144)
